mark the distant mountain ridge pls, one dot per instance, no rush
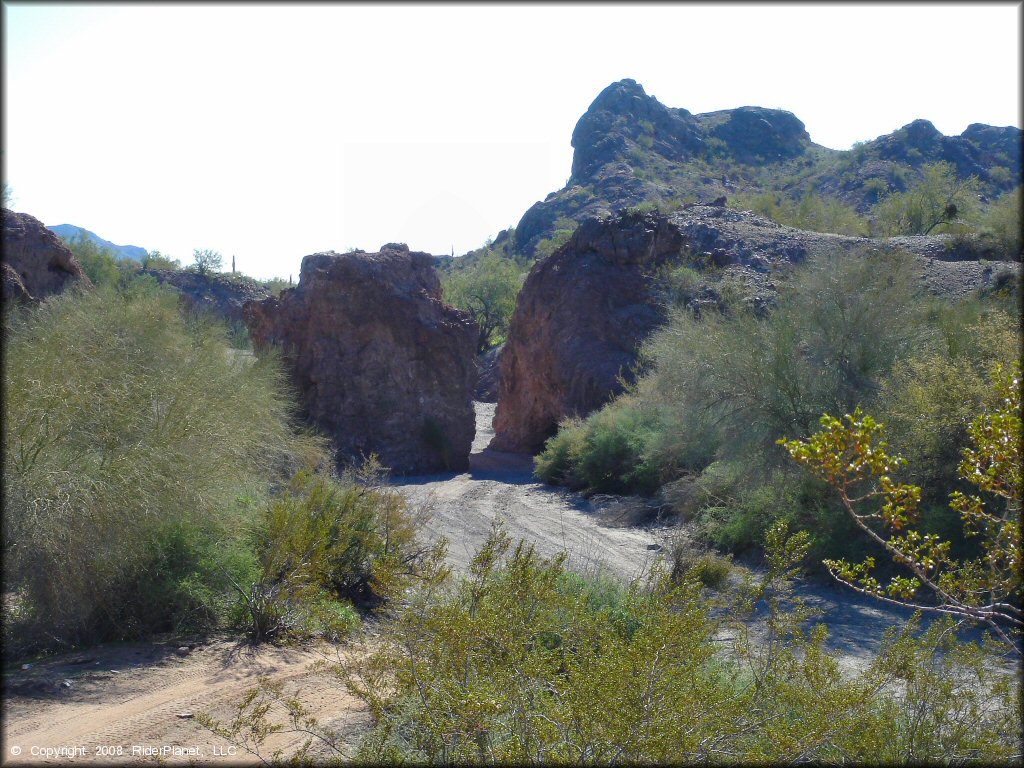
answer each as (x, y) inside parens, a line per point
(630, 149)
(71, 232)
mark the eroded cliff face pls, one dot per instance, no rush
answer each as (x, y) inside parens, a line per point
(381, 364)
(37, 264)
(580, 318)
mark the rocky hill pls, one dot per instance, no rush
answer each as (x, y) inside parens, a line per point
(630, 149)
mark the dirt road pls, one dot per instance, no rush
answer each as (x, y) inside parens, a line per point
(134, 702)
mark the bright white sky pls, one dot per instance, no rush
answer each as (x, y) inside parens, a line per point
(270, 132)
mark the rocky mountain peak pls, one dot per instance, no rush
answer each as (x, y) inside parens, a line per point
(623, 115)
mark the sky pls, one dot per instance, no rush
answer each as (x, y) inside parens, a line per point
(268, 132)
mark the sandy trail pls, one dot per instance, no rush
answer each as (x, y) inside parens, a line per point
(127, 702)
(501, 485)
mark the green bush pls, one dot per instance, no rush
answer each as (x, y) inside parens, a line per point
(324, 546)
(487, 289)
(811, 212)
(99, 264)
(607, 452)
(520, 663)
(940, 202)
(137, 450)
(1002, 223)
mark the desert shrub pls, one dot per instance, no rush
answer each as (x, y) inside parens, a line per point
(515, 663)
(546, 246)
(939, 202)
(1002, 224)
(688, 563)
(206, 261)
(136, 448)
(157, 260)
(837, 327)
(325, 545)
(852, 457)
(555, 463)
(811, 212)
(99, 264)
(721, 388)
(930, 398)
(606, 452)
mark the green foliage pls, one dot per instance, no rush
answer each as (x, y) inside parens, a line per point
(487, 289)
(941, 202)
(929, 399)
(99, 264)
(605, 453)
(521, 662)
(547, 246)
(721, 388)
(135, 450)
(276, 284)
(811, 212)
(207, 261)
(157, 260)
(852, 458)
(325, 541)
(838, 326)
(1002, 223)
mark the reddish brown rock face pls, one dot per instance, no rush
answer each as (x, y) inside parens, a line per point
(42, 264)
(381, 364)
(579, 321)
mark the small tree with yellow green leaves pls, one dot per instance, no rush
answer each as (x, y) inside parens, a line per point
(851, 457)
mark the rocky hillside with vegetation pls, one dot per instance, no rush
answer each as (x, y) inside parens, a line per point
(631, 150)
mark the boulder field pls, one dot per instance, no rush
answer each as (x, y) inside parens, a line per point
(381, 364)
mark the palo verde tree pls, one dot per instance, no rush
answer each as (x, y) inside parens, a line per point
(207, 261)
(938, 202)
(852, 458)
(487, 290)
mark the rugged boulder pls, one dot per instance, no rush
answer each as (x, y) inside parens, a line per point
(579, 320)
(381, 364)
(584, 311)
(42, 264)
(222, 295)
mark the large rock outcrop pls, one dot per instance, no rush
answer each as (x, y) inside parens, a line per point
(381, 363)
(36, 258)
(579, 320)
(585, 310)
(222, 295)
